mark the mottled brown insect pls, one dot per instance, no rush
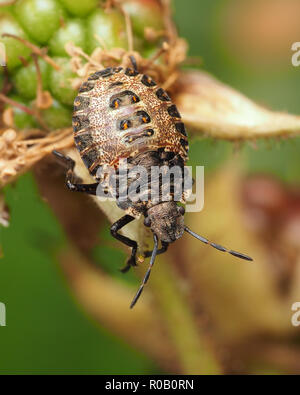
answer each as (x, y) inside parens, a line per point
(120, 113)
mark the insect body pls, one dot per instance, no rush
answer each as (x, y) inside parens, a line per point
(120, 113)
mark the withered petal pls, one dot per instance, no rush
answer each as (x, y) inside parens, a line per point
(212, 108)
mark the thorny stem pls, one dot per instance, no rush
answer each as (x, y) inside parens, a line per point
(12, 102)
(168, 21)
(170, 80)
(6, 84)
(128, 29)
(26, 109)
(43, 98)
(39, 87)
(35, 150)
(6, 87)
(156, 55)
(75, 51)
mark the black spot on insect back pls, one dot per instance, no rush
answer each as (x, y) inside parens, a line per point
(131, 72)
(134, 99)
(146, 80)
(86, 87)
(112, 85)
(83, 141)
(81, 103)
(132, 138)
(115, 103)
(143, 116)
(184, 144)
(166, 156)
(180, 128)
(123, 99)
(173, 112)
(162, 95)
(80, 123)
(149, 132)
(128, 93)
(90, 157)
(125, 124)
(102, 73)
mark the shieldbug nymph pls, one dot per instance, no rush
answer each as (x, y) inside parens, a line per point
(120, 113)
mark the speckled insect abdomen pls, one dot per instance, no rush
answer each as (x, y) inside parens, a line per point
(120, 113)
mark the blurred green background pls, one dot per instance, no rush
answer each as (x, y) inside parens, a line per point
(47, 331)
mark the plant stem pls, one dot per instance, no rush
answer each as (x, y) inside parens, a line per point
(194, 353)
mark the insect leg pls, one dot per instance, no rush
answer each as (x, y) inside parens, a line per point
(90, 189)
(147, 275)
(163, 249)
(125, 240)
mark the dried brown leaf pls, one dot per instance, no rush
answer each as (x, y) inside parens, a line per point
(19, 153)
(210, 107)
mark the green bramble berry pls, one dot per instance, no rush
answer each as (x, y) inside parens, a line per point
(149, 51)
(54, 23)
(39, 18)
(109, 26)
(22, 120)
(25, 79)
(80, 7)
(144, 13)
(57, 116)
(6, 8)
(60, 81)
(14, 49)
(72, 31)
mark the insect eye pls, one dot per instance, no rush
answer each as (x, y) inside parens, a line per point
(147, 222)
(115, 103)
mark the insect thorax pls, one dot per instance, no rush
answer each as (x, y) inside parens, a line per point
(148, 179)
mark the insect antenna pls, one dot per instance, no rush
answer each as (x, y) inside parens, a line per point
(147, 275)
(217, 246)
